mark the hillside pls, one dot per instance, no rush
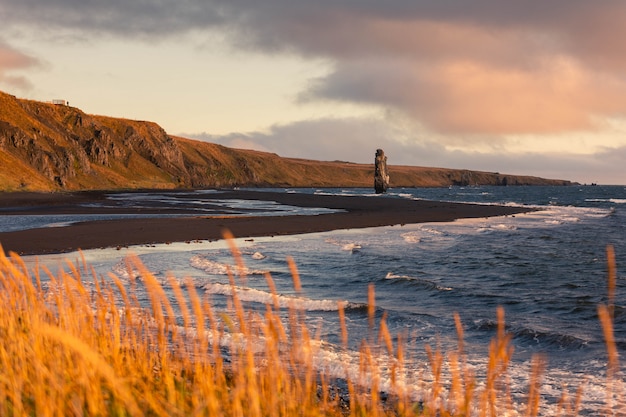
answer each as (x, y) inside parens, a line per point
(48, 147)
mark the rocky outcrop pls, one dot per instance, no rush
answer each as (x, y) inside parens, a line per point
(381, 175)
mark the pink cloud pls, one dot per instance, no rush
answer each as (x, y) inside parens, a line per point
(12, 60)
(474, 97)
(466, 79)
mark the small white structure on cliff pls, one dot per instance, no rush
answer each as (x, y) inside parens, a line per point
(60, 102)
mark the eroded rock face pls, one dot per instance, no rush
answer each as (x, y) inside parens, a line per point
(381, 175)
(69, 148)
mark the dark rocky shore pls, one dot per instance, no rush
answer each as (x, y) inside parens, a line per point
(192, 224)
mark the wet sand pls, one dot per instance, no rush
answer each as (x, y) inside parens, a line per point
(192, 224)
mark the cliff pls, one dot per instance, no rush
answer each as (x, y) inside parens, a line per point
(51, 147)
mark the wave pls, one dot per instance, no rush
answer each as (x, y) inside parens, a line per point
(347, 246)
(431, 237)
(348, 192)
(217, 268)
(536, 337)
(121, 270)
(560, 215)
(351, 247)
(283, 301)
(549, 338)
(606, 200)
(423, 233)
(498, 227)
(427, 283)
(411, 238)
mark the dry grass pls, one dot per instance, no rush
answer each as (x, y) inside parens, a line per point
(88, 346)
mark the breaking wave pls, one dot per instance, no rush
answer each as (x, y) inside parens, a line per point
(216, 268)
(606, 200)
(282, 301)
(427, 283)
(534, 336)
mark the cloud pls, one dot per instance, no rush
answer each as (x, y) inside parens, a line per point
(466, 97)
(12, 60)
(482, 68)
(142, 18)
(491, 68)
(469, 80)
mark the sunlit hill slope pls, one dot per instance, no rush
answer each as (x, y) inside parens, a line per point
(51, 147)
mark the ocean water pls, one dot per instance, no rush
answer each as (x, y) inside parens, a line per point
(546, 269)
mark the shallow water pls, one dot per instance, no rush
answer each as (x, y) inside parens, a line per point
(547, 269)
(171, 203)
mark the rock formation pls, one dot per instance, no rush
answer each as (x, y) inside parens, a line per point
(381, 175)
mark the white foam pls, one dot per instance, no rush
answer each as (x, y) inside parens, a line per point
(60, 224)
(348, 246)
(121, 270)
(416, 380)
(216, 268)
(258, 256)
(606, 200)
(283, 301)
(431, 284)
(502, 226)
(351, 247)
(411, 237)
(432, 231)
(430, 235)
(391, 275)
(544, 216)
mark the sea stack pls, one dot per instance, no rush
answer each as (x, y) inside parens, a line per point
(381, 176)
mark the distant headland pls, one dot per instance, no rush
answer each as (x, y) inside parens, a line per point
(51, 146)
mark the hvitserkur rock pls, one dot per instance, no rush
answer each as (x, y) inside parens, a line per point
(381, 175)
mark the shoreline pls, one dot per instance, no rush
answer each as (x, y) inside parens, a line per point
(194, 225)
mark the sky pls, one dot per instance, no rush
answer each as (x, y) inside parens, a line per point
(517, 87)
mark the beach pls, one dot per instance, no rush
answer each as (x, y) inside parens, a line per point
(182, 223)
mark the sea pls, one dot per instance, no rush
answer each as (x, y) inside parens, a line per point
(546, 269)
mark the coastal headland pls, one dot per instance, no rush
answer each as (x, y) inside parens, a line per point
(191, 224)
(49, 147)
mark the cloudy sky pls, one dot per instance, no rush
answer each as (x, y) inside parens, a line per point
(519, 87)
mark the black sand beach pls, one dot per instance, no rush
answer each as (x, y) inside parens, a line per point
(192, 224)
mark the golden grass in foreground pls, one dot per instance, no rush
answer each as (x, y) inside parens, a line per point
(78, 348)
